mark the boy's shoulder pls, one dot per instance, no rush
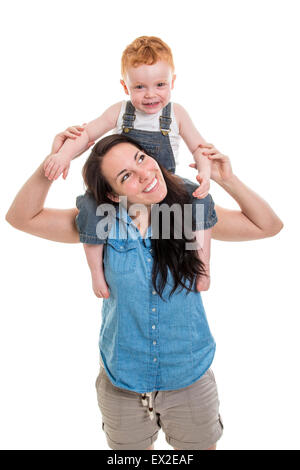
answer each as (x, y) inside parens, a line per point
(180, 112)
(178, 108)
(111, 114)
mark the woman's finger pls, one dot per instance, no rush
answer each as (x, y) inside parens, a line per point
(70, 135)
(53, 171)
(65, 172)
(46, 164)
(76, 128)
(56, 174)
(49, 168)
(209, 146)
(211, 152)
(72, 130)
(218, 156)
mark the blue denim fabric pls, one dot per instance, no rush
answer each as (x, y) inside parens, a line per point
(87, 219)
(148, 343)
(156, 143)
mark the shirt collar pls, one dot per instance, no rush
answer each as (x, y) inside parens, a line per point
(133, 232)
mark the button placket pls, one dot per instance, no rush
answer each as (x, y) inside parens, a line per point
(154, 328)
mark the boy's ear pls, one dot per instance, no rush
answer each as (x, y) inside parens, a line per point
(113, 197)
(124, 86)
(173, 80)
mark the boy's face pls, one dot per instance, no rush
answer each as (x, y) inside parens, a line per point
(149, 86)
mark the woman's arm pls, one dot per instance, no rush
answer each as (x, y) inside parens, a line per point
(27, 212)
(255, 220)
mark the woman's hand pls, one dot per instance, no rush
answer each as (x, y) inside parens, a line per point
(70, 132)
(221, 170)
(55, 164)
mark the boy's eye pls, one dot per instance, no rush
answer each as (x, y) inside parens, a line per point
(161, 84)
(139, 87)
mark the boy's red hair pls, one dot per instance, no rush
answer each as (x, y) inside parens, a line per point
(145, 50)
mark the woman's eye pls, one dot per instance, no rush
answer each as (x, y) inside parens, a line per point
(141, 158)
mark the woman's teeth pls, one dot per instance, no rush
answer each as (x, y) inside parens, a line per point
(151, 186)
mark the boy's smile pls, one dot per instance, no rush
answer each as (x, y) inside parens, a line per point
(149, 86)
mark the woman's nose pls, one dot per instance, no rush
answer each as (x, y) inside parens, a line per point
(144, 173)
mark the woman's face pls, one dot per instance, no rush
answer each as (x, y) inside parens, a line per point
(132, 173)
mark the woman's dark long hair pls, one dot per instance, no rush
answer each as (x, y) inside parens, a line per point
(170, 253)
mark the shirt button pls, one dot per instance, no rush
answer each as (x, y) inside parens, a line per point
(153, 310)
(153, 292)
(153, 327)
(154, 360)
(154, 342)
(149, 259)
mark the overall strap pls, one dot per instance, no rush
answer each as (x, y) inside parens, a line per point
(165, 120)
(128, 117)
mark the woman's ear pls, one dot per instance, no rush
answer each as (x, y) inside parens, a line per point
(113, 197)
(124, 86)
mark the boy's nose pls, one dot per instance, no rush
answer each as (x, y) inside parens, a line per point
(149, 93)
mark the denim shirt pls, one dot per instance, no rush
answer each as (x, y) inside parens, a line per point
(87, 220)
(148, 343)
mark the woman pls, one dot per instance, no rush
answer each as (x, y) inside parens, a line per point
(189, 413)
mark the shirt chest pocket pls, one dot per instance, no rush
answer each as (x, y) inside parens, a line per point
(120, 256)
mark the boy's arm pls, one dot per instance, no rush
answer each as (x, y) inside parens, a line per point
(94, 256)
(193, 139)
(203, 238)
(56, 164)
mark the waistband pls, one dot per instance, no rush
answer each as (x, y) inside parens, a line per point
(147, 398)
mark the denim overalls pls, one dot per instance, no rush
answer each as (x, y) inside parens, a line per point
(156, 144)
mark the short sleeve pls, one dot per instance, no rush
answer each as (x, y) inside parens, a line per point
(87, 220)
(203, 210)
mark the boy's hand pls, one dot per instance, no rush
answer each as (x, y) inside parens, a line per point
(57, 164)
(202, 283)
(221, 170)
(203, 189)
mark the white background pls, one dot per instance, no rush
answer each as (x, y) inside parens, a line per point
(237, 65)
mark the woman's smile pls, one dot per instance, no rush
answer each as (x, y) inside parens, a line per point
(152, 186)
(133, 173)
